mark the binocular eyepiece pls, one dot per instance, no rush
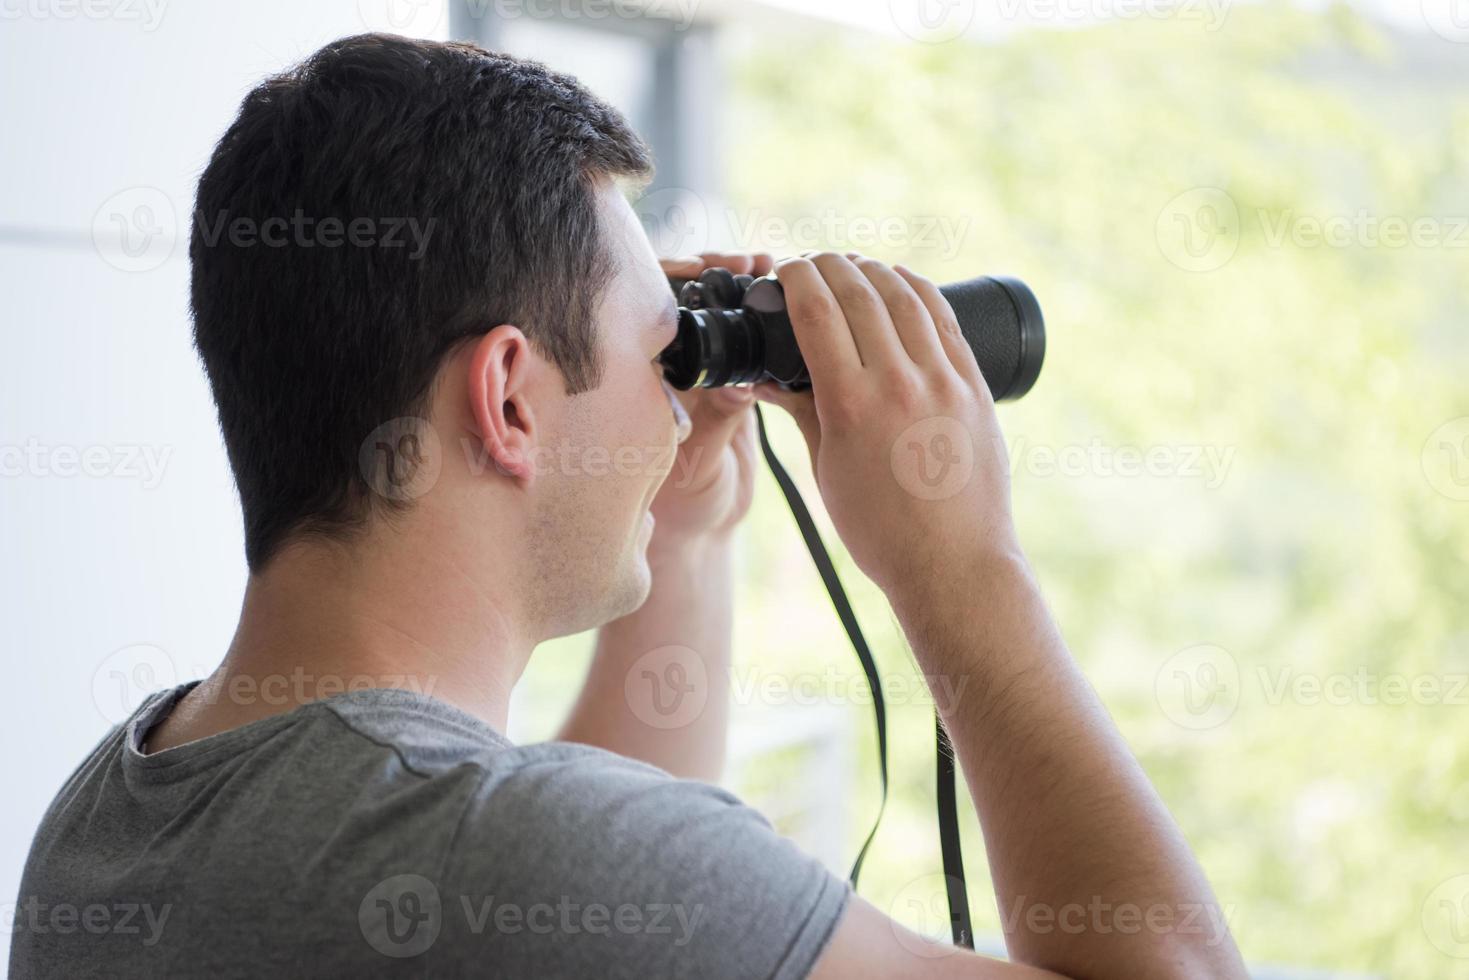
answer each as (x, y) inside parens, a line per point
(734, 329)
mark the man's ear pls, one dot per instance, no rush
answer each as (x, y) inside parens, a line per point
(499, 374)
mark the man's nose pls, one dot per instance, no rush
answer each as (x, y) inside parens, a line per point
(680, 417)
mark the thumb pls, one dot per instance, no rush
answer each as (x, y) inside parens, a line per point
(715, 416)
(800, 405)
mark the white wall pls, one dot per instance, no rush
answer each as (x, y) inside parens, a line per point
(99, 116)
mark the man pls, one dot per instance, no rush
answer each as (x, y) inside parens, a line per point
(452, 448)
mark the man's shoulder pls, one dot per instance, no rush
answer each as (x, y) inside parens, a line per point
(433, 739)
(389, 824)
(506, 801)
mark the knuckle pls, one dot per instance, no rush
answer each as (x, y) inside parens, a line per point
(795, 264)
(906, 304)
(862, 299)
(949, 389)
(811, 307)
(903, 391)
(843, 412)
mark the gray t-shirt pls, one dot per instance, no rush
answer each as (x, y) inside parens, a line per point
(386, 833)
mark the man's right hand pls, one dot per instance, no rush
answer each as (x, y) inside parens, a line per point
(905, 445)
(909, 460)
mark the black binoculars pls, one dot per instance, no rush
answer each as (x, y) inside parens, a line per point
(734, 329)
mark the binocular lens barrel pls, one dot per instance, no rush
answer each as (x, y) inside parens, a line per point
(750, 339)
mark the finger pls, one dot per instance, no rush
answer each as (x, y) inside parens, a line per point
(867, 318)
(960, 355)
(737, 263)
(822, 335)
(745, 444)
(801, 406)
(744, 441)
(717, 415)
(682, 267)
(911, 318)
(744, 451)
(763, 263)
(735, 395)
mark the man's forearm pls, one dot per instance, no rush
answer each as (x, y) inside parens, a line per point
(1090, 870)
(669, 707)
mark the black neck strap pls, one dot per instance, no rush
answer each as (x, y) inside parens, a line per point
(948, 816)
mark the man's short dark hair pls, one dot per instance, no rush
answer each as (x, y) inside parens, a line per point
(368, 210)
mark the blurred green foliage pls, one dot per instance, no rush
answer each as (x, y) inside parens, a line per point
(1322, 542)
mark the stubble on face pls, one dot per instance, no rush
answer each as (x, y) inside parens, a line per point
(588, 538)
(588, 570)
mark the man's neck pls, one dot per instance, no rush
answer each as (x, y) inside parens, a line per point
(324, 618)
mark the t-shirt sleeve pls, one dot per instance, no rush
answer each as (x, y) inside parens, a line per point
(576, 862)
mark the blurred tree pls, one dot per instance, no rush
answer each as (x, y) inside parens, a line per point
(1165, 188)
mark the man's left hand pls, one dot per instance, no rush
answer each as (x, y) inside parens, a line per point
(710, 487)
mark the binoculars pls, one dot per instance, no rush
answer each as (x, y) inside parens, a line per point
(734, 329)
